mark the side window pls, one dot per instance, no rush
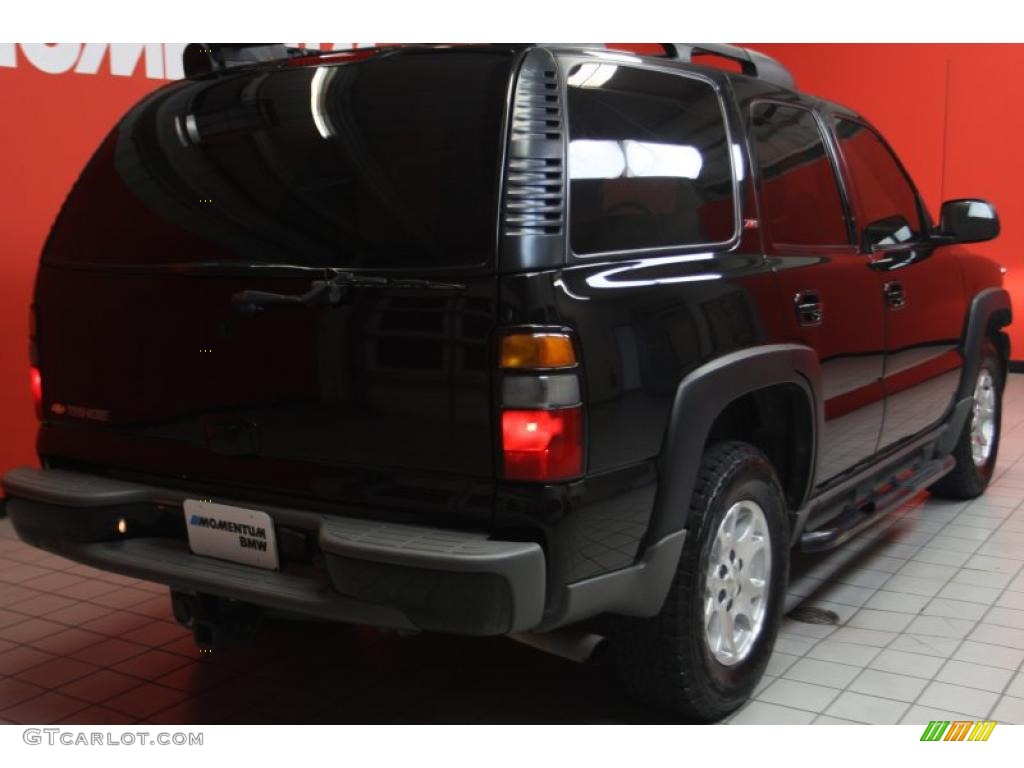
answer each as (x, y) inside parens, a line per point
(888, 200)
(649, 161)
(800, 202)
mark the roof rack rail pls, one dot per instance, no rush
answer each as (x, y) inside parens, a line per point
(751, 62)
(206, 58)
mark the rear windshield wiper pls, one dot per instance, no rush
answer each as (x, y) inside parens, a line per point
(332, 291)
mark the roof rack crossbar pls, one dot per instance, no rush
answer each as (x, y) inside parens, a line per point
(752, 62)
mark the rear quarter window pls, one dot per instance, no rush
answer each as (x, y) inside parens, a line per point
(649, 161)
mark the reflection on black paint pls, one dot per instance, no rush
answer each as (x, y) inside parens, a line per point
(406, 176)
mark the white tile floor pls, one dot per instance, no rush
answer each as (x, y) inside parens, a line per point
(931, 609)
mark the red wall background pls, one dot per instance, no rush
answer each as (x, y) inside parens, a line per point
(947, 110)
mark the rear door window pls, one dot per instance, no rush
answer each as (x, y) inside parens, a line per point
(650, 164)
(799, 190)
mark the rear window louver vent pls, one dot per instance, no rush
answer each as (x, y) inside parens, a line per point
(535, 177)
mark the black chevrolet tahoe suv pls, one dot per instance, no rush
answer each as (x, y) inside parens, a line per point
(497, 339)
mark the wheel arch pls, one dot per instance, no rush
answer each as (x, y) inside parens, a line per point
(705, 407)
(779, 421)
(990, 311)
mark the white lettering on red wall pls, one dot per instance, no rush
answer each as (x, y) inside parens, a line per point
(158, 61)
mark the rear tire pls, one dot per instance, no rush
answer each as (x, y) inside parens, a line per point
(682, 659)
(977, 447)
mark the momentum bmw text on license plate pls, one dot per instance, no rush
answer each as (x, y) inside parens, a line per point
(231, 533)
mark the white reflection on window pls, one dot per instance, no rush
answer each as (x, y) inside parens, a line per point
(737, 161)
(596, 159)
(631, 58)
(607, 159)
(591, 75)
(317, 101)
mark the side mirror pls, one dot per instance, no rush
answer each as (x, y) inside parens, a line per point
(968, 221)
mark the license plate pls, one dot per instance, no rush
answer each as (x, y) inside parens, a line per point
(231, 533)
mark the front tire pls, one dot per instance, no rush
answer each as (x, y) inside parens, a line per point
(702, 655)
(977, 447)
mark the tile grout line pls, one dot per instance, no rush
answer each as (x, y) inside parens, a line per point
(878, 535)
(960, 510)
(962, 640)
(900, 516)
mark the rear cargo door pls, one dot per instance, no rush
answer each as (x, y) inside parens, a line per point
(274, 181)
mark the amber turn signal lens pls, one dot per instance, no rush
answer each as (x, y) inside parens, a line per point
(537, 350)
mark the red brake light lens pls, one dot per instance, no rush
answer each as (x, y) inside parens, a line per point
(36, 382)
(542, 445)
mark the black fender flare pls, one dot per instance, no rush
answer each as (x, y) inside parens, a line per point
(702, 396)
(990, 310)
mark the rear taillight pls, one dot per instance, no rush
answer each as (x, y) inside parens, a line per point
(36, 383)
(35, 378)
(541, 409)
(537, 350)
(542, 445)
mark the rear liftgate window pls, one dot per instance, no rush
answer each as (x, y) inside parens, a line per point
(649, 161)
(388, 162)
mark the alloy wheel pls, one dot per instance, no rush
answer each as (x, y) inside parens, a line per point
(983, 418)
(737, 583)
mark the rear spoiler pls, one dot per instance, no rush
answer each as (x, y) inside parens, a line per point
(206, 58)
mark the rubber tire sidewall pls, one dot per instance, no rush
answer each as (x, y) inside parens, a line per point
(731, 686)
(664, 660)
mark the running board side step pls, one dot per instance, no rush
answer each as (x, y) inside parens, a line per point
(870, 511)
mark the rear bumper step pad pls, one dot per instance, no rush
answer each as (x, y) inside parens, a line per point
(382, 574)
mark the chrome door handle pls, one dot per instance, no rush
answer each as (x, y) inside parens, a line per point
(810, 310)
(895, 295)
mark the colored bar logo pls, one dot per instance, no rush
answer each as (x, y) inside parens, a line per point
(958, 730)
